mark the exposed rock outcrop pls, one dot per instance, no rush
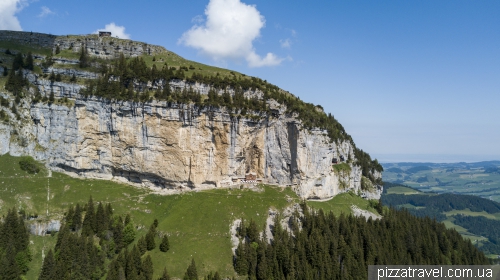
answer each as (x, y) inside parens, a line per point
(179, 146)
(70, 72)
(103, 47)
(42, 228)
(364, 213)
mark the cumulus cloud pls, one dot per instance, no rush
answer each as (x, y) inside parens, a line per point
(8, 11)
(116, 31)
(228, 32)
(45, 12)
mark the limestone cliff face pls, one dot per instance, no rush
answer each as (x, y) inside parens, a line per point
(177, 147)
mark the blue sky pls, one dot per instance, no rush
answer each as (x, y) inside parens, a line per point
(409, 80)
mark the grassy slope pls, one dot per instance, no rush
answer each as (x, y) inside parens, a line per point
(401, 190)
(342, 203)
(14, 46)
(174, 60)
(197, 223)
(468, 212)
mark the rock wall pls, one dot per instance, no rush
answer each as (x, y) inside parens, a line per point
(177, 147)
(43, 228)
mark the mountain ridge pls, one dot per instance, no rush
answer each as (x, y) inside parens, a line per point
(131, 122)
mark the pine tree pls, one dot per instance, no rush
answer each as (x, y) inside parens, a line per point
(241, 264)
(166, 91)
(89, 222)
(262, 262)
(109, 209)
(214, 276)
(191, 272)
(77, 218)
(29, 62)
(142, 245)
(150, 238)
(164, 245)
(164, 275)
(18, 62)
(47, 272)
(52, 77)
(113, 271)
(8, 265)
(84, 58)
(127, 219)
(136, 259)
(69, 216)
(147, 268)
(100, 219)
(128, 233)
(130, 92)
(252, 231)
(118, 236)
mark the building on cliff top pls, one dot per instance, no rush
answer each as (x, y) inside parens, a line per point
(104, 34)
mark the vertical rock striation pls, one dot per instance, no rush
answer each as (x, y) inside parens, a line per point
(180, 146)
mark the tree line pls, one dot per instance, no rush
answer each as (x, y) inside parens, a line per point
(93, 243)
(482, 226)
(330, 247)
(14, 252)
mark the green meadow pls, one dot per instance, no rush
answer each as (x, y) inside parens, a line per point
(197, 223)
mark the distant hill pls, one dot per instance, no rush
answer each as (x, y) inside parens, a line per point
(478, 178)
(473, 217)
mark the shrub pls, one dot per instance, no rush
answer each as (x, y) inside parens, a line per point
(342, 167)
(29, 165)
(366, 184)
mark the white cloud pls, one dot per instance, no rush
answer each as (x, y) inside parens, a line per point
(286, 44)
(116, 31)
(8, 11)
(45, 12)
(228, 33)
(254, 60)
